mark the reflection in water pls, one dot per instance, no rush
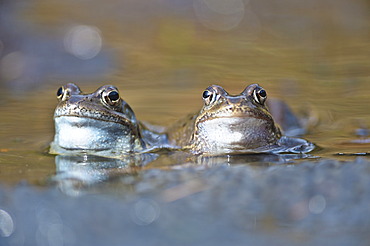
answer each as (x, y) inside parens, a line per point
(76, 173)
(244, 159)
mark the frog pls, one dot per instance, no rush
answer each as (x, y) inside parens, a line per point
(99, 122)
(233, 124)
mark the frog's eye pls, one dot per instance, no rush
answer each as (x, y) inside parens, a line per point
(111, 97)
(209, 97)
(63, 93)
(260, 95)
(60, 92)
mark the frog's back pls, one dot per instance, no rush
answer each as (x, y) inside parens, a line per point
(180, 133)
(285, 117)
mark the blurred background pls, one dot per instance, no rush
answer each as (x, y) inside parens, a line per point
(162, 54)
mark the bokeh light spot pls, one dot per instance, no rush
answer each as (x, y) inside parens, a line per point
(12, 65)
(145, 212)
(219, 15)
(6, 224)
(84, 42)
(51, 229)
(317, 204)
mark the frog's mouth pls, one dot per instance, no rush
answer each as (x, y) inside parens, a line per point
(235, 113)
(102, 114)
(84, 118)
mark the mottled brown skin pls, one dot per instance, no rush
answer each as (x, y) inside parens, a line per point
(227, 123)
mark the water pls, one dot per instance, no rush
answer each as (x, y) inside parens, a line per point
(162, 55)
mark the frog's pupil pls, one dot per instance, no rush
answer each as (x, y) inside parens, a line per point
(59, 92)
(262, 93)
(113, 95)
(206, 94)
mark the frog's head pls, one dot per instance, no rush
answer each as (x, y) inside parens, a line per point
(229, 123)
(100, 121)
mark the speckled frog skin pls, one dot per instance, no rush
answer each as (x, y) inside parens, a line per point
(96, 122)
(233, 124)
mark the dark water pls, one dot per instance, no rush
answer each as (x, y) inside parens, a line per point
(162, 55)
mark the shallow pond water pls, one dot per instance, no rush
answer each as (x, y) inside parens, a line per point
(162, 55)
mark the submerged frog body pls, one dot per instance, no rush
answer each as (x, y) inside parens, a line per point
(233, 124)
(94, 123)
(290, 124)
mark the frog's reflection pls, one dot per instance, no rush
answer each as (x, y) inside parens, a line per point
(76, 174)
(258, 160)
(81, 174)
